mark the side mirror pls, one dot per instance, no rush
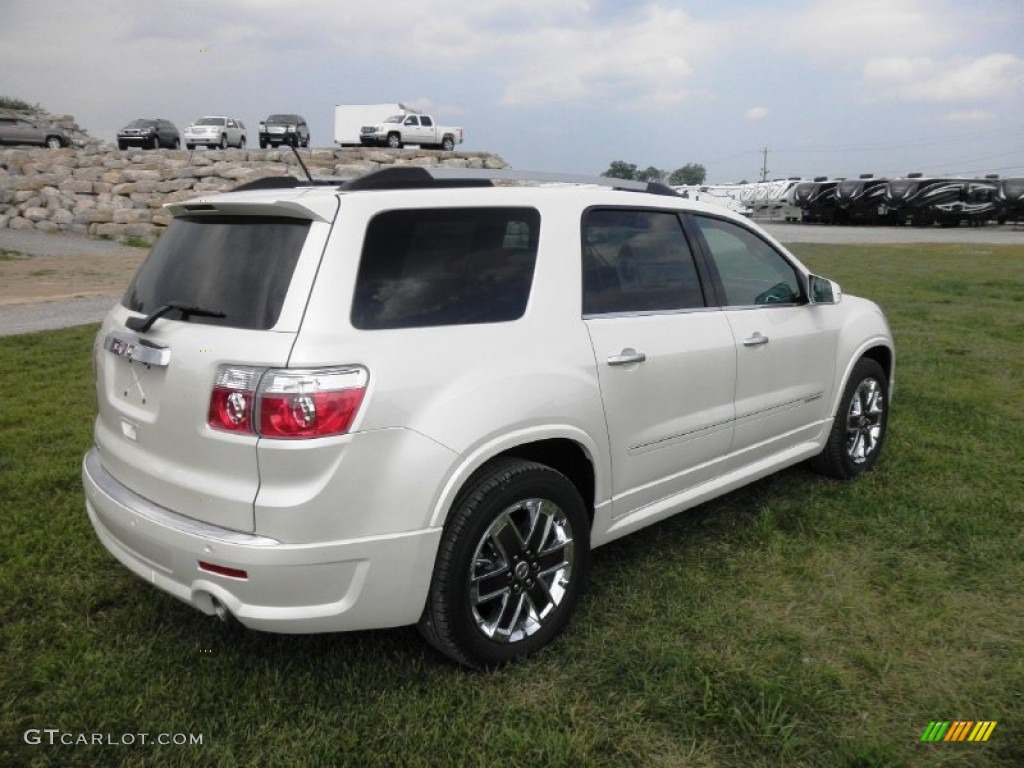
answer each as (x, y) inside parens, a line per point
(824, 291)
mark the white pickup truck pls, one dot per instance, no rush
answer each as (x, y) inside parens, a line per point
(399, 130)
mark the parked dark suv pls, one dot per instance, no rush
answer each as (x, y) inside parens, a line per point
(284, 129)
(149, 134)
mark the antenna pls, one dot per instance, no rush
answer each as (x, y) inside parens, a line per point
(304, 168)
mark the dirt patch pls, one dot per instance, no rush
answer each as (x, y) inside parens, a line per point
(44, 278)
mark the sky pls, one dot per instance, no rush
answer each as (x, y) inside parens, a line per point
(827, 87)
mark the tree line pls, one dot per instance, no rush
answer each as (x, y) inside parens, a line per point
(691, 173)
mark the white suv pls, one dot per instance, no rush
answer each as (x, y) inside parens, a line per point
(418, 397)
(215, 131)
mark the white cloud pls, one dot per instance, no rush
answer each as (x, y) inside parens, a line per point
(756, 113)
(977, 116)
(957, 79)
(644, 62)
(860, 28)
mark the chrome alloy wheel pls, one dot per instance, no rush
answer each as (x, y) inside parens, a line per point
(864, 421)
(520, 570)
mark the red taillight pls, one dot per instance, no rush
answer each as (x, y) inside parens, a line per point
(312, 415)
(284, 403)
(310, 403)
(232, 398)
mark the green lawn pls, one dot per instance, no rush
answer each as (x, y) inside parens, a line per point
(798, 622)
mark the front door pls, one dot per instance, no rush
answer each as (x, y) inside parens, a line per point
(785, 347)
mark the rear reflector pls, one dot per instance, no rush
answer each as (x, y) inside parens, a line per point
(223, 570)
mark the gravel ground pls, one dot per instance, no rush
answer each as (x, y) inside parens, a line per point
(993, 234)
(25, 318)
(65, 312)
(36, 243)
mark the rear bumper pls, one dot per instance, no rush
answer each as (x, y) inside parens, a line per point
(365, 583)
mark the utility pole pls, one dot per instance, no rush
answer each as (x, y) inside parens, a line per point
(764, 164)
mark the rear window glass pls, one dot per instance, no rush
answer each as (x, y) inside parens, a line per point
(238, 265)
(445, 266)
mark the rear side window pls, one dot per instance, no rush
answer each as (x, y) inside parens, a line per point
(238, 265)
(637, 261)
(445, 266)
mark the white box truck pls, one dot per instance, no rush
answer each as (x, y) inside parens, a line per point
(350, 118)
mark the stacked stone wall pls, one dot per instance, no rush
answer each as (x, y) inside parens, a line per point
(117, 194)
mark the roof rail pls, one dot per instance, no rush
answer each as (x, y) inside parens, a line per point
(418, 177)
(409, 177)
(284, 182)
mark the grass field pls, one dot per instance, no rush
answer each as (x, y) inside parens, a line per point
(798, 622)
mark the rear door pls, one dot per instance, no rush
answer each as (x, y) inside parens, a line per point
(413, 132)
(154, 385)
(666, 362)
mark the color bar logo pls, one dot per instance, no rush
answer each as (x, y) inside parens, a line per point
(958, 730)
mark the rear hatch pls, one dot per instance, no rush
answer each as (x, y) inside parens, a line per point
(225, 286)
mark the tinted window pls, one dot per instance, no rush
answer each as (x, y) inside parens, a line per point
(447, 266)
(751, 271)
(237, 265)
(426, 120)
(637, 261)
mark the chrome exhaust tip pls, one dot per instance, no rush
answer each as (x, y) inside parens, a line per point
(221, 610)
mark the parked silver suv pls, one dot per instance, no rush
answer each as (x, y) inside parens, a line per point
(215, 131)
(416, 397)
(19, 129)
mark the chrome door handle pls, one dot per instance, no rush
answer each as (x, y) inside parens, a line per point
(757, 340)
(627, 356)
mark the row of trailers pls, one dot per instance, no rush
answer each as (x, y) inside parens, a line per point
(915, 200)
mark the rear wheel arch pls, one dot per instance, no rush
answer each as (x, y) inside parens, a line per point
(570, 457)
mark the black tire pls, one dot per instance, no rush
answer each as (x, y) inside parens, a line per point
(263, 144)
(305, 142)
(177, 144)
(223, 141)
(155, 144)
(860, 424)
(241, 143)
(395, 140)
(448, 144)
(54, 142)
(534, 575)
(121, 145)
(190, 146)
